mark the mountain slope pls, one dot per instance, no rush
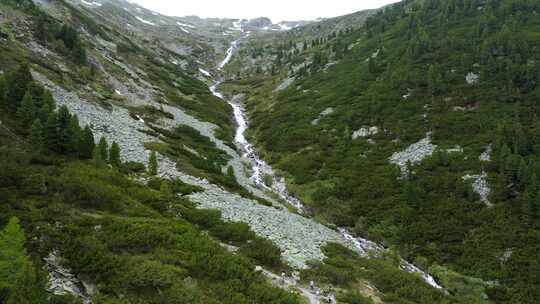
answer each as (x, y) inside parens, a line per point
(418, 129)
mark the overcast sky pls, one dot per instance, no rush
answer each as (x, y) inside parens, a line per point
(277, 10)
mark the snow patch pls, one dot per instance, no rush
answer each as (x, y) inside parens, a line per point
(93, 3)
(145, 21)
(205, 73)
(185, 25)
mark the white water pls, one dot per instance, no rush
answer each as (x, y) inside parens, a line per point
(263, 173)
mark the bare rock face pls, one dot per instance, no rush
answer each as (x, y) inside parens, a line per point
(414, 154)
(324, 113)
(365, 132)
(472, 78)
(285, 84)
(480, 186)
(63, 282)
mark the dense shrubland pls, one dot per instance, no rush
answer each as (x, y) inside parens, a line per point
(422, 50)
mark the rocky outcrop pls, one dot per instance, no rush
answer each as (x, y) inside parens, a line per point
(365, 132)
(414, 154)
(480, 186)
(62, 281)
(324, 113)
(285, 84)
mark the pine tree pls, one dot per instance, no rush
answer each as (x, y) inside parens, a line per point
(12, 253)
(64, 139)
(51, 132)
(97, 157)
(17, 85)
(26, 112)
(36, 134)
(48, 106)
(103, 149)
(153, 164)
(166, 190)
(74, 133)
(87, 144)
(114, 155)
(29, 288)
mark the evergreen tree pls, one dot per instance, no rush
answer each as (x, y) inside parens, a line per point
(48, 106)
(87, 144)
(12, 253)
(29, 288)
(153, 164)
(51, 132)
(26, 112)
(97, 157)
(114, 155)
(74, 132)
(17, 84)
(103, 149)
(36, 134)
(64, 139)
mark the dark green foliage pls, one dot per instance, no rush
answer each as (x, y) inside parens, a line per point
(263, 251)
(26, 112)
(87, 144)
(17, 83)
(103, 149)
(52, 140)
(3, 91)
(425, 50)
(63, 38)
(37, 137)
(12, 254)
(153, 164)
(29, 287)
(114, 155)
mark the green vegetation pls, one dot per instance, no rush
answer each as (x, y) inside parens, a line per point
(423, 49)
(130, 239)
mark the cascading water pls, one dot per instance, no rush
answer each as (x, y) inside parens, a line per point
(278, 186)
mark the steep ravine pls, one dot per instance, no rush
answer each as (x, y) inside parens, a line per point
(260, 169)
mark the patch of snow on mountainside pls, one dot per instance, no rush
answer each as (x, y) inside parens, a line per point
(184, 30)
(205, 73)
(185, 25)
(145, 21)
(92, 3)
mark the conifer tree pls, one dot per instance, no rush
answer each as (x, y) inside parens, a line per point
(29, 288)
(36, 134)
(74, 132)
(17, 85)
(12, 253)
(47, 107)
(103, 149)
(97, 157)
(26, 112)
(64, 139)
(114, 155)
(51, 132)
(153, 164)
(87, 143)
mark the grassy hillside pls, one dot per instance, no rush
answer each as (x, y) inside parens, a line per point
(468, 72)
